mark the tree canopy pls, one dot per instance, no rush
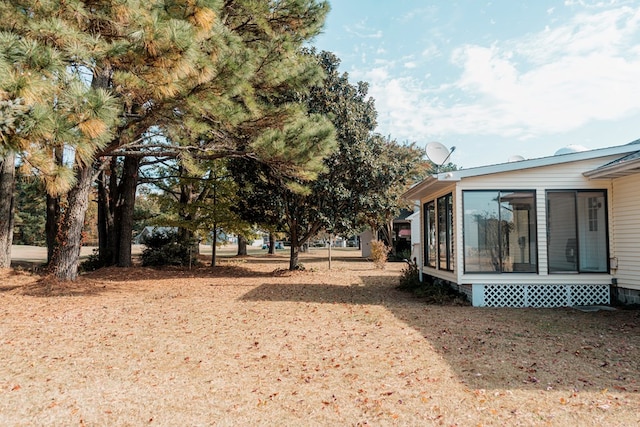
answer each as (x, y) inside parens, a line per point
(249, 126)
(361, 178)
(184, 79)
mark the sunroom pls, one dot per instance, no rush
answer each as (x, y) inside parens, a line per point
(532, 233)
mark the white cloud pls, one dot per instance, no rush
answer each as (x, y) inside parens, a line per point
(363, 31)
(593, 4)
(606, 32)
(545, 83)
(431, 52)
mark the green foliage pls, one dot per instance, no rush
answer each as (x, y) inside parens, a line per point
(212, 79)
(432, 290)
(379, 254)
(13, 119)
(291, 202)
(30, 208)
(164, 248)
(362, 178)
(403, 255)
(410, 277)
(92, 263)
(146, 210)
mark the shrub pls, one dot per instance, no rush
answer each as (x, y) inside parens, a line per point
(92, 263)
(431, 289)
(410, 277)
(379, 254)
(163, 248)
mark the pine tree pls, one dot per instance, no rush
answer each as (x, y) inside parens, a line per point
(240, 112)
(29, 76)
(358, 177)
(216, 67)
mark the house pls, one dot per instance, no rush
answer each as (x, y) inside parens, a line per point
(149, 230)
(400, 239)
(548, 232)
(414, 219)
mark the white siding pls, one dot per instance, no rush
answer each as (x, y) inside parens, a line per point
(566, 176)
(625, 225)
(624, 229)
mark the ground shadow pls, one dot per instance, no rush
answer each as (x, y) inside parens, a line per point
(28, 265)
(546, 349)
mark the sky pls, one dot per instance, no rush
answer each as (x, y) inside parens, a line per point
(497, 78)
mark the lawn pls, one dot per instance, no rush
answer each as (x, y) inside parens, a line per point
(248, 343)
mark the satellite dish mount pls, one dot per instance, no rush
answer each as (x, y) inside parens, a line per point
(438, 154)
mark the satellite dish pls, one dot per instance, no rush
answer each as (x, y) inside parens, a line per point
(515, 158)
(438, 153)
(571, 148)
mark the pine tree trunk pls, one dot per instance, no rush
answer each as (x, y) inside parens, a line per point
(66, 256)
(106, 229)
(51, 225)
(7, 187)
(242, 246)
(186, 235)
(214, 245)
(113, 201)
(272, 244)
(53, 214)
(128, 186)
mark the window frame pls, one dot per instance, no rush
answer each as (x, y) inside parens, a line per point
(577, 227)
(430, 247)
(445, 237)
(533, 232)
(432, 252)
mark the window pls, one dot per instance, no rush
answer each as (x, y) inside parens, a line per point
(438, 230)
(500, 231)
(576, 231)
(430, 252)
(445, 232)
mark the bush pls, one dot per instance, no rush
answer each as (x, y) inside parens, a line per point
(410, 277)
(163, 248)
(379, 254)
(92, 263)
(431, 289)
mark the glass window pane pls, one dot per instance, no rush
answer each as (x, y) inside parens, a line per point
(481, 231)
(592, 237)
(445, 232)
(442, 233)
(430, 234)
(450, 246)
(518, 231)
(561, 232)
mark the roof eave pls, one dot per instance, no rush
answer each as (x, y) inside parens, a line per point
(614, 171)
(431, 182)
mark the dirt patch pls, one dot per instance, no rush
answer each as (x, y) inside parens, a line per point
(248, 343)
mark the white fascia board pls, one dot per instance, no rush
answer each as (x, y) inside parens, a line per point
(618, 169)
(536, 163)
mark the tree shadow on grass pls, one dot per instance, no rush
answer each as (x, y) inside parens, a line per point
(533, 349)
(109, 278)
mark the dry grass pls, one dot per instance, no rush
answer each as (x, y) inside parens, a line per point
(249, 344)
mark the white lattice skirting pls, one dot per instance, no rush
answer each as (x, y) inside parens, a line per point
(540, 295)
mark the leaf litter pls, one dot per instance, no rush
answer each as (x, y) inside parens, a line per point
(248, 343)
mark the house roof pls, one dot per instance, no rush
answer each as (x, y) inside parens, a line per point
(404, 214)
(623, 166)
(441, 180)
